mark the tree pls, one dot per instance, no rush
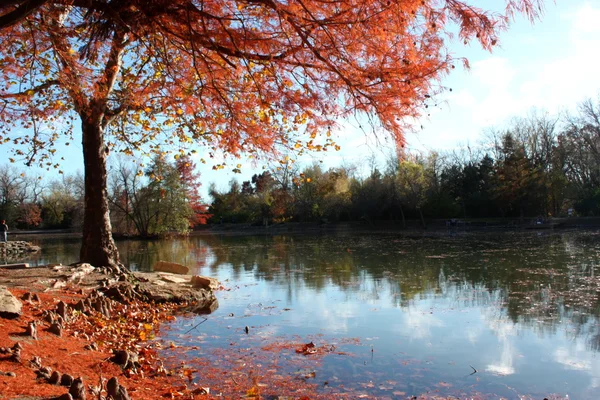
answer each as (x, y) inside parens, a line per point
(369, 196)
(62, 202)
(580, 146)
(413, 184)
(12, 193)
(157, 206)
(190, 180)
(30, 215)
(235, 75)
(19, 197)
(518, 187)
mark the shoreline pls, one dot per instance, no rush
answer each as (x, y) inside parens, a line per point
(412, 228)
(78, 321)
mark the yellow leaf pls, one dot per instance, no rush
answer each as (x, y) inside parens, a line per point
(252, 392)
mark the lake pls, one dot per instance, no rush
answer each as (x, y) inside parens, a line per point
(503, 314)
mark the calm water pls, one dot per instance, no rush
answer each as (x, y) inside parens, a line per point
(522, 309)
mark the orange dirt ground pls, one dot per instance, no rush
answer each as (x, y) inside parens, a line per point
(65, 354)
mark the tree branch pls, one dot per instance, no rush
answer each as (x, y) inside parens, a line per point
(20, 13)
(31, 91)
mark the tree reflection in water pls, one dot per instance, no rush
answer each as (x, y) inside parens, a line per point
(472, 290)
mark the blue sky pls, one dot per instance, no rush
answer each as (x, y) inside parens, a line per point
(551, 65)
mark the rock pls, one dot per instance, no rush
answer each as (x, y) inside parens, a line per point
(66, 380)
(15, 266)
(35, 298)
(80, 271)
(12, 249)
(173, 268)
(173, 279)
(206, 307)
(204, 282)
(10, 306)
(11, 374)
(77, 389)
(55, 328)
(86, 267)
(54, 378)
(66, 396)
(154, 288)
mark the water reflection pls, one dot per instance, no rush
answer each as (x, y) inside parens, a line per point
(522, 306)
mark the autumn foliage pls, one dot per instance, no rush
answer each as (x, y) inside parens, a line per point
(238, 76)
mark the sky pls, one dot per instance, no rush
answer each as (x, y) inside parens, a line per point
(550, 66)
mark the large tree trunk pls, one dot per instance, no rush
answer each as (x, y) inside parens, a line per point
(98, 247)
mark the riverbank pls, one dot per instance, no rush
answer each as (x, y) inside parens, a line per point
(69, 329)
(409, 228)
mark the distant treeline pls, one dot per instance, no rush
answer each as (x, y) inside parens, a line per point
(538, 166)
(159, 199)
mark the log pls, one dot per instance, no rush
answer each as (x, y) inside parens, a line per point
(15, 266)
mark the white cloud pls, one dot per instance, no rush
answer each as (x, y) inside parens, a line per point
(552, 69)
(505, 331)
(418, 324)
(579, 362)
(585, 19)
